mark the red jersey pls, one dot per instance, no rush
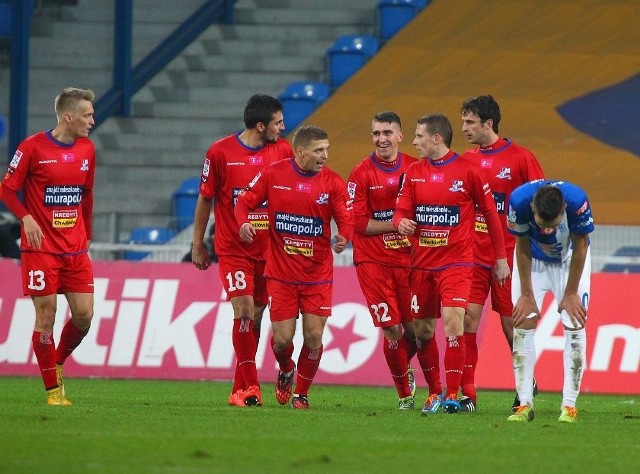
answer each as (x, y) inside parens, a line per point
(441, 196)
(57, 183)
(506, 166)
(374, 186)
(228, 167)
(301, 205)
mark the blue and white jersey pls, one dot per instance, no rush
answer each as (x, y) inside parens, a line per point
(556, 246)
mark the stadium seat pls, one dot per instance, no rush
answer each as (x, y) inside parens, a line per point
(348, 54)
(300, 99)
(184, 202)
(393, 15)
(147, 236)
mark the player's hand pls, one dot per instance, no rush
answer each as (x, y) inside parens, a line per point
(525, 309)
(572, 304)
(32, 232)
(200, 256)
(247, 232)
(501, 272)
(340, 244)
(407, 226)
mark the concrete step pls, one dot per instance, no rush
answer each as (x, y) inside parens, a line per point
(320, 15)
(159, 125)
(291, 33)
(157, 158)
(329, 4)
(248, 64)
(254, 47)
(183, 143)
(167, 11)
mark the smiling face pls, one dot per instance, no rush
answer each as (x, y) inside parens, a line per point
(312, 156)
(386, 138)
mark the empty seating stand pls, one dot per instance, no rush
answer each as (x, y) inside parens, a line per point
(300, 99)
(147, 236)
(184, 202)
(633, 266)
(393, 15)
(348, 54)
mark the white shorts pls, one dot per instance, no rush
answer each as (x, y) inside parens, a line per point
(552, 277)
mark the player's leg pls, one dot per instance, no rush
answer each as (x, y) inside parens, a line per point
(575, 346)
(283, 310)
(315, 306)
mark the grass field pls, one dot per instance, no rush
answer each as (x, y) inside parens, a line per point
(175, 427)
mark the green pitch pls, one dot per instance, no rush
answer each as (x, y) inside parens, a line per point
(175, 427)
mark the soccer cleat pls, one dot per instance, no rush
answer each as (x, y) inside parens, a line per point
(516, 401)
(56, 397)
(523, 413)
(251, 397)
(432, 404)
(300, 402)
(467, 404)
(568, 415)
(59, 379)
(406, 403)
(412, 382)
(451, 405)
(284, 385)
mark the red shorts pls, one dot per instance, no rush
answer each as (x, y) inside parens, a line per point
(386, 290)
(47, 274)
(242, 276)
(449, 287)
(483, 282)
(288, 300)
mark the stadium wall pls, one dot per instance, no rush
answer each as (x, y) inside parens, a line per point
(170, 321)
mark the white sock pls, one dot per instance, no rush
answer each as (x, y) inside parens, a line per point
(524, 360)
(575, 359)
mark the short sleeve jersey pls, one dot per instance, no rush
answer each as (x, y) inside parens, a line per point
(577, 219)
(374, 186)
(441, 196)
(301, 206)
(228, 167)
(53, 176)
(506, 165)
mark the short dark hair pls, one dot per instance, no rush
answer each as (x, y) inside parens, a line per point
(387, 117)
(485, 107)
(306, 134)
(260, 108)
(548, 202)
(440, 124)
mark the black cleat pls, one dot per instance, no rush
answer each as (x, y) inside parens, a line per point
(467, 404)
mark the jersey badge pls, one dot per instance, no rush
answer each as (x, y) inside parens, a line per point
(457, 186)
(17, 156)
(323, 198)
(85, 165)
(505, 173)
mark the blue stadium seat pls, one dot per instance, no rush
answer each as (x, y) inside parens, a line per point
(348, 54)
(626, 251)
(184, 201)
(393, 15)
(300, 99)
(147, 236)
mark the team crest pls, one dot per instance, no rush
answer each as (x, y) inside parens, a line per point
(504, 173)
(323, 198)
(457, 186)
(85, 165)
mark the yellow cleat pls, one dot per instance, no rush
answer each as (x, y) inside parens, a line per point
(523, 413)
(568, 415)
(56, 397)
